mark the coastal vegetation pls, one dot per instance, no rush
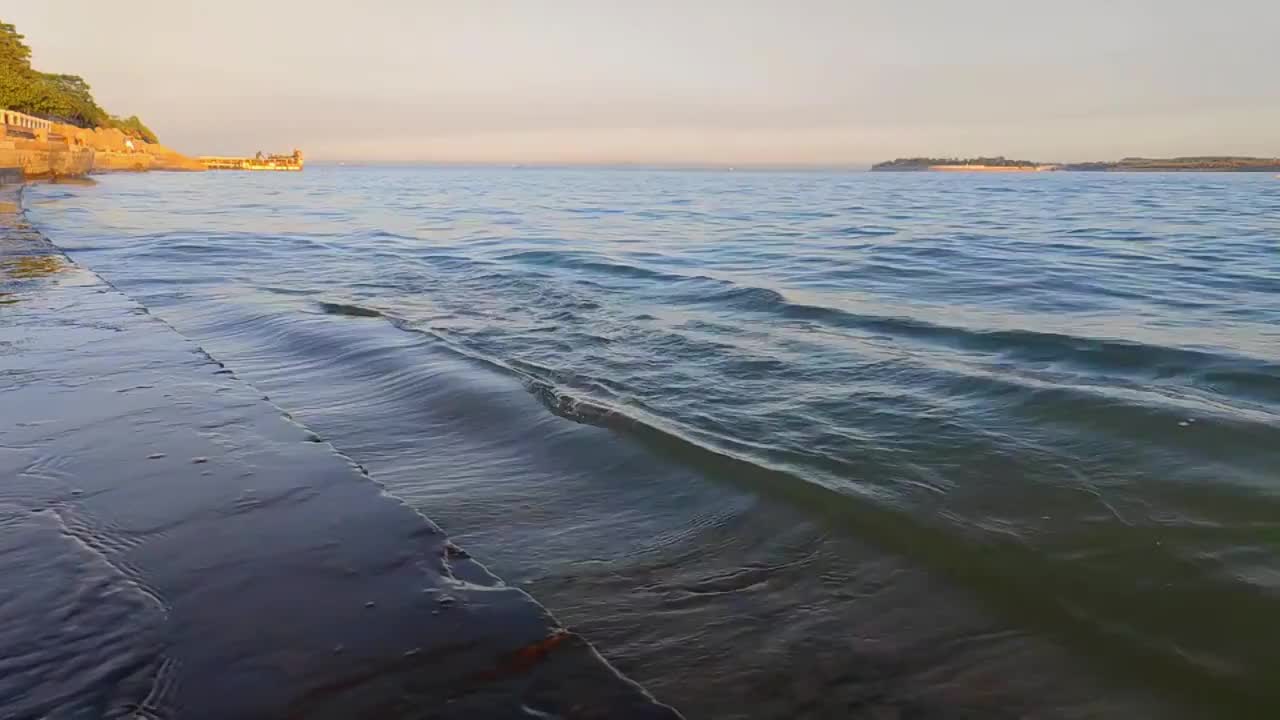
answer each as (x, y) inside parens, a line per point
(132, 127)
(924, 163)
(54, 96)
(1212, 163)
(1203, 163)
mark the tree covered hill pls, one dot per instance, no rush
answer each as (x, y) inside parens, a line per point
(63, 98)
(924, 163)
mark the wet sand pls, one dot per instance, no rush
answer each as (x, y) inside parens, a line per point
(175, 546)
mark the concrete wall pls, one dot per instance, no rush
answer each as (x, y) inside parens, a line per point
(110, 161)
(68, 151)
(45, 159)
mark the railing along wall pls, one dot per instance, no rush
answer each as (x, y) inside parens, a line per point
(13, 118)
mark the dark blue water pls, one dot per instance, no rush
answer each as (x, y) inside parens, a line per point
(784, 444)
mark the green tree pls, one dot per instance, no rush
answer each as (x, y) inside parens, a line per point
(16, 89)
(13, 52)
(66, 98)
(132, 127)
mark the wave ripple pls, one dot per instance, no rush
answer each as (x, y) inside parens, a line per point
(1058, 396)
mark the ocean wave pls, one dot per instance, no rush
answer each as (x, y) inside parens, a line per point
(350, 309)
(1063, 398)
(401, 387)
(1108, 355)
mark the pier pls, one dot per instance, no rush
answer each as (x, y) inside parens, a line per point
(287, 163)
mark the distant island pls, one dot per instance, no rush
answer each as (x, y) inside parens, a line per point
(978, 164)
(1223, 163)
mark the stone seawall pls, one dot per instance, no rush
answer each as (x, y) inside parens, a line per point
(68, 151)
(37, 158)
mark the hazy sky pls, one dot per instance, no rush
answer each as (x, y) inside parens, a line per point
(698, 81)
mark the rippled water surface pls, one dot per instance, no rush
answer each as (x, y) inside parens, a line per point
(784, 444)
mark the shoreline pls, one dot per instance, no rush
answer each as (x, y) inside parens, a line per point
(257, 570)
(47, 149)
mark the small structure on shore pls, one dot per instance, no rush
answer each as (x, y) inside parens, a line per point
(288, 163)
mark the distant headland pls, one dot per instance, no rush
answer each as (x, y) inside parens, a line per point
(978, 164)
(1223, 163)
(51, 126)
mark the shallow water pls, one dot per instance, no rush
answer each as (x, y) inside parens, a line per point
(784, 444)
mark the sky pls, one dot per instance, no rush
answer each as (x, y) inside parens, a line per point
(700, 82)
